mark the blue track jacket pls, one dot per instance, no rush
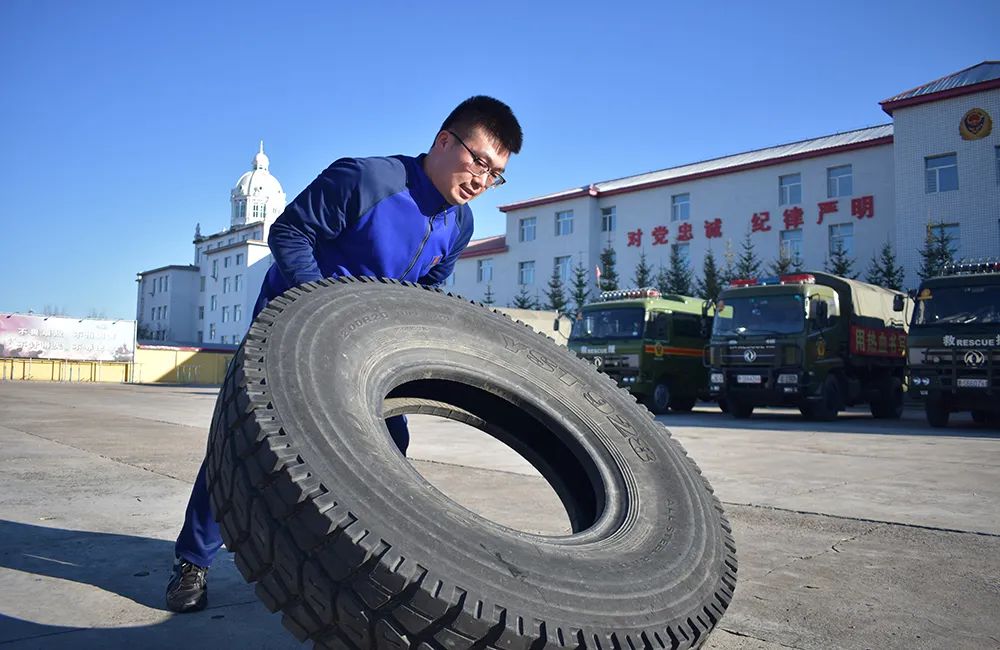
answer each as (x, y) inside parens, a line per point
(381, 217)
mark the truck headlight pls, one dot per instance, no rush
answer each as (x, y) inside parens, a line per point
(788, 379)
(716, 378)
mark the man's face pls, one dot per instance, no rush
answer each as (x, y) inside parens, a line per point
(457, 175)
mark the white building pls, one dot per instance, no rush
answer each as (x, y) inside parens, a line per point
(211, 301)
(936, 165)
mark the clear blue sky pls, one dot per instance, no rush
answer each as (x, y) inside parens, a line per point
(122, 124)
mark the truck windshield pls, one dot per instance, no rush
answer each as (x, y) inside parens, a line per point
(775, 314)
(958, 306)
(620, 323)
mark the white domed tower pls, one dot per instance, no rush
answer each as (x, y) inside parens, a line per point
(257, 197)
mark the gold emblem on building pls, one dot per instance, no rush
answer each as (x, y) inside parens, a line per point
(976, 124)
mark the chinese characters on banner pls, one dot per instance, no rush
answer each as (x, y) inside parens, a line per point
(794, 218)
(878, 342)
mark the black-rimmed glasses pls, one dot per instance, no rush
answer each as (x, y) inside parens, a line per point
(480, 166)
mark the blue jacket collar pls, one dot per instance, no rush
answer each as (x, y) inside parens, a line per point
(425, 195)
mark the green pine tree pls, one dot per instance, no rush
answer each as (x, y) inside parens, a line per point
(556, 293)
(728, 273)
(748, 264)
(609, 277)
(581, 287)
(839, 263)
(488, 298)
(783, 265)
(524, 300)
(662, 279)
(936, 253)
(679, 275)
(710, 284)
(643, 273)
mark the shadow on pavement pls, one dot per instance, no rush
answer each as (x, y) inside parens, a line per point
(132, 567)
(854, 421)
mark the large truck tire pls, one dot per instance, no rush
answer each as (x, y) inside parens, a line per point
(659, 400)
(829, 404)
(889, 403)
(344, 536)
(937, 411)
(683, 404)
(738, 408)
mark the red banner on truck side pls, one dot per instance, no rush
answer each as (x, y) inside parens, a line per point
(878, 342)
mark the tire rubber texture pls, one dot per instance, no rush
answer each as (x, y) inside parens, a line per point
(659, 400)
(829, 406)
(889, 405)
(683, 404)
(357, 550)
(937, 412)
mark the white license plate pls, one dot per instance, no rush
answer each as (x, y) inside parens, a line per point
(747, 379)
(973, 383)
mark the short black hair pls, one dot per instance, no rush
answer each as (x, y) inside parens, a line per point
(490, 114)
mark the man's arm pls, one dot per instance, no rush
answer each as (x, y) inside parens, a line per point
(440, 271)
(317, 213)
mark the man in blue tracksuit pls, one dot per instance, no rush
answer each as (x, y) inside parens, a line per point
(397, 217)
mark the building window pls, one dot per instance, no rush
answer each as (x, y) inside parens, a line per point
(790, 189)
(166, 283)
(213, 303)
(484, 270)
(684, 253)
(949, 230)
(225, 314)
(215, 269)
(562, 265)
(839, 181)
(564, 223)
(609, 219)
(238, 282)
(201, 336)
(450, 280)
(256, 234)
(201, 284)
(201, 312)
(152, 313)
(229, 242)
(211, 331)
(225, 284)
(526, 229)
(239, 256)
(225, 262)
(526, 272)
(941, 173)
(680, 207)
(791, 245)
(258, 211)
(237, 313)
(842, 235)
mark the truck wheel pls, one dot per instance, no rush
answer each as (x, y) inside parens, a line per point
(683, 404)
(659, 401)
(889, 404)
(980, 417)
(829, 406)
(937, 412)
(739, 409)
(358, 551)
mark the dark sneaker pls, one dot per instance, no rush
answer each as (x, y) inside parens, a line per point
(187, 590)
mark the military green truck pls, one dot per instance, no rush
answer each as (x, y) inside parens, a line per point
(811, 340)
(954, 344)
(649, 343)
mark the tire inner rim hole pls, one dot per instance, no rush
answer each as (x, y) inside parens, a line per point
(459, 416)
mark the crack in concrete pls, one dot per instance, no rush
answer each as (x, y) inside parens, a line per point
(99, 455)
(757, 638)
(833, 548)
(861, 519)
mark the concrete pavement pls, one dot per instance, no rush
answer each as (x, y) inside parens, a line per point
(853, 534)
